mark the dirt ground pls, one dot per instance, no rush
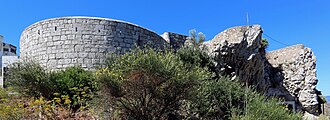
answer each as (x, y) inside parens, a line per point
(326, 113)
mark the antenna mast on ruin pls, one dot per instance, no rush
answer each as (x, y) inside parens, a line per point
(247, 13)
(246, 82)
(247, 18)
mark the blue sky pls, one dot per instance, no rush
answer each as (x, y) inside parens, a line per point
(288, 21)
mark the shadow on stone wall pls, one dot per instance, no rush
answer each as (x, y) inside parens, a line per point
(281, 81)
(277, 90)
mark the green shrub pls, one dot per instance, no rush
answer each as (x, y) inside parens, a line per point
(322, 99)
(3, 94)
(142, 84)
(228, 99)
(146, 84)
(215, 99)
(264, 43)
(29, 78)
(262, 108)
(72, 86)
(9, 107)
(15, 107)
(196, 57)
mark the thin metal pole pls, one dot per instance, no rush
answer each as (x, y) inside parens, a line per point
(247, 18)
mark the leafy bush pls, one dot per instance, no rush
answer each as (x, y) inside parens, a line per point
(215, 99)
(197, 57)
(9, 108)
(146, 84)
(72, 86)
(142, 84)
(322, 99)
(29, 78)
(264, 43)
(50, 109)
(228, 99)
(14, 107)
(260, 107)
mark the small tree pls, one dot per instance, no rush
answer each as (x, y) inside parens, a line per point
(197, 57)
(29, 78)
(200, 40)
(215, 99)
(73, 87)
(146, 84)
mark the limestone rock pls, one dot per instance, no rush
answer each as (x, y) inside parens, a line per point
(289, 73)
(189, 42)
(297, 65)
(308, 116)
(236, 52)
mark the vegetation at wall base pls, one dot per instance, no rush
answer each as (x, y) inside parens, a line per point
(228, 99)
(29, 79)
(197, 57)
(70, 89)
(74, 86)
(146, 84)
(143, 84)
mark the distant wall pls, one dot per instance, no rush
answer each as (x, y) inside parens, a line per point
(84, 41)
(176, 40)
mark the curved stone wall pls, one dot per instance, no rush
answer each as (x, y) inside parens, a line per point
(84, 41)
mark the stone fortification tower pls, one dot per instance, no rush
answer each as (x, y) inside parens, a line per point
(84, 41)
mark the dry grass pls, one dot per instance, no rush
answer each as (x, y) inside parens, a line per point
(326, 114)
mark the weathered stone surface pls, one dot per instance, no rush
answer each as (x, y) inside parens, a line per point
(176, 40)
(297, 73)
(85, 37)
(308, 116)
(236, 52)
(288, 73)
(189, 42)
